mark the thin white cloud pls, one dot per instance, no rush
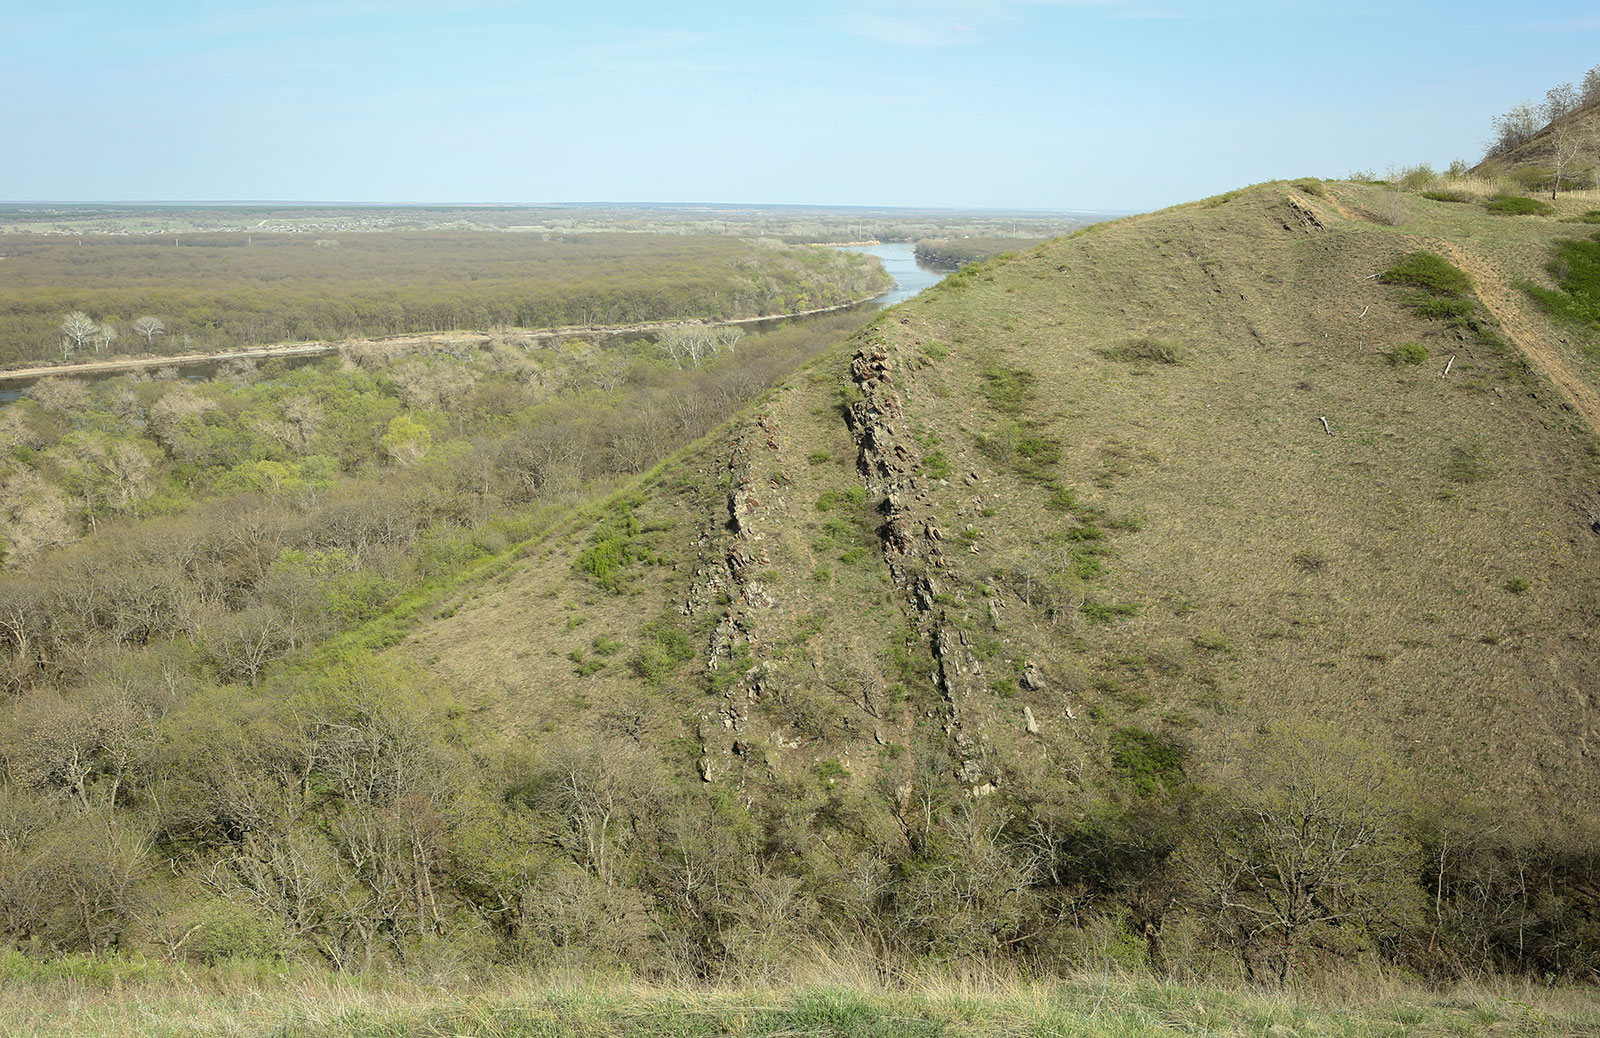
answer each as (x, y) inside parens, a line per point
(952, 23)
(911, 32)
(1583, 23)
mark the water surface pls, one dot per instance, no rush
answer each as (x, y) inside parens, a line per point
(900, 260)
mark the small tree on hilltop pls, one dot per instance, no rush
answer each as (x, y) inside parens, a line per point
(1514, 128)
(1590, 87)
(1561, 100)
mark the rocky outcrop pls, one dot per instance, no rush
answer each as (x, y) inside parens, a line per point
(727, 585)
(912, 542)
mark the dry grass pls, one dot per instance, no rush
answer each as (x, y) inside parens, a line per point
(1255, 566)
(1429, 496)
(843, 1000)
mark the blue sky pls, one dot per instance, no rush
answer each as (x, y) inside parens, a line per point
(1075, 104)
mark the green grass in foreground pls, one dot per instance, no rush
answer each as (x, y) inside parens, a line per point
(170, 1001)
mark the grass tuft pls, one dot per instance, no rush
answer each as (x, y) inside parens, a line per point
(1518, 205)
(1144, 350)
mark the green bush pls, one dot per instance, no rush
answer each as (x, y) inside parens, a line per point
(666, 645)
(1311, 187)
(612, 547)
(1146, 761)
(1533, 177)
(1518, 205)
(1447, 195)
(1575, 264)
(1008, 390)
(1429, 272)
(1445, 309)
(1105, 612)
(1408, 353)
(1415, 178)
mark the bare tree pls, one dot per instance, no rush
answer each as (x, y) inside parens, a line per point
(1590, 86)
(149, 327)
(1516, 127)
(697, 342)
(1567, 146)
(76, 331)
(104, 336)
(1303, 838)
(1561, 100)
(1567, 142)
(33, 517)
(304, 414)
(245, 643)
(601, 790)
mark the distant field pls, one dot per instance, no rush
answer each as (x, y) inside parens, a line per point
(220, 290)
(794, 223)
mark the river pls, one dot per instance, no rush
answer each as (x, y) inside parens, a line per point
(898, 258)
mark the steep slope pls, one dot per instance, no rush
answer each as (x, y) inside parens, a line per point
(1090, 492)
(1562, 143)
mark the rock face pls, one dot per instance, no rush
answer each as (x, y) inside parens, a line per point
(911, 538)
(726, 583)
(731, 597)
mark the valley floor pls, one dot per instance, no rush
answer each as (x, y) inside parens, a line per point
(82, 997)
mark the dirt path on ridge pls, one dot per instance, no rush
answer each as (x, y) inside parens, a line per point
(1505, 304)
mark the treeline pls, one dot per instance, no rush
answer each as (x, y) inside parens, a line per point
(1526, 119)
(217, 291)
(955, 253)
(188, 767)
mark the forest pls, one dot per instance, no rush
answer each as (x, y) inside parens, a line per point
(955, 253)
(193, 658)
(214, 291)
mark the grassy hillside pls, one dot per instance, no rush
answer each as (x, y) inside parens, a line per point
(1067, 540)
(1543, 148)
(955, 253)
(1119, 440)
(1209, 594)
